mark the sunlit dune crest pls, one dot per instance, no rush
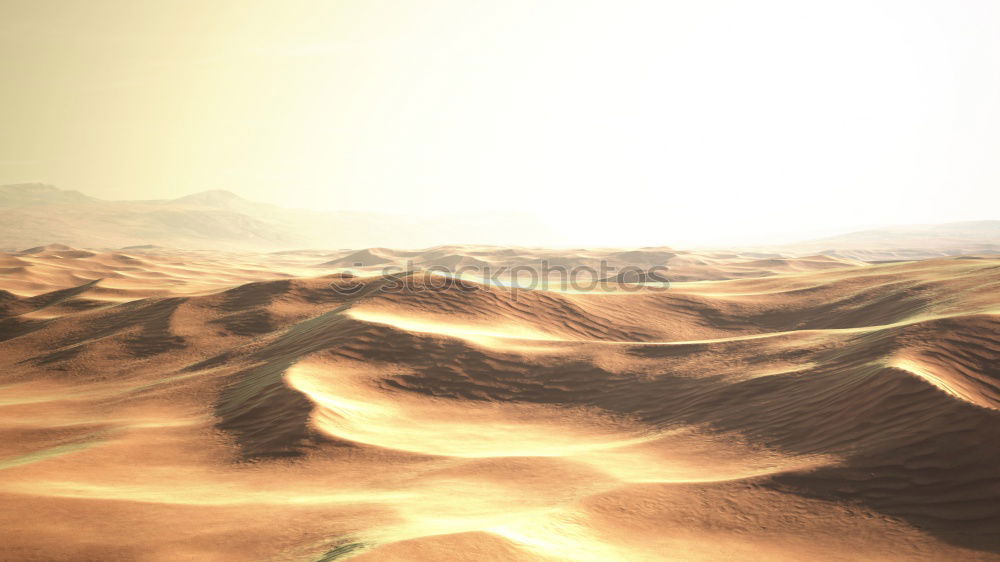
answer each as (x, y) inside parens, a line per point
(462, 429)
(434, 428)
(481, 334)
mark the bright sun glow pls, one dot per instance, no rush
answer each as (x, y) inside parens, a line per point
(613, 124)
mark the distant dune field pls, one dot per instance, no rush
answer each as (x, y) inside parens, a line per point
(160, 404)
(38, 214)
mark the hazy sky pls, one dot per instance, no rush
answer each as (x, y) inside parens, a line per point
(615, 122)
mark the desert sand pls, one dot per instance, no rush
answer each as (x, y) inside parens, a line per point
(38, 214)
(161, 404)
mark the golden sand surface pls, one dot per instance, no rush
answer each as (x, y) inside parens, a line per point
(177, 405)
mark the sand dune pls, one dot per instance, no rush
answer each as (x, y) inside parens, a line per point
(37, 214)
(165, 405)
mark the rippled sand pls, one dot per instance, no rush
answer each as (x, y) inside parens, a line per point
(166, 405)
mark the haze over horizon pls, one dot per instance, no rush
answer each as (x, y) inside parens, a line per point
(39, 215)
(653, 123)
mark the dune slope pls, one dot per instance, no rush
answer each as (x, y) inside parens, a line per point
(160, 406)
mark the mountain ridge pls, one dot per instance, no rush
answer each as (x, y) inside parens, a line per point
(38, 214)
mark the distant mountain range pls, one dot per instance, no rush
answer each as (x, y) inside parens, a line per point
(909, 242)
(37, 214)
